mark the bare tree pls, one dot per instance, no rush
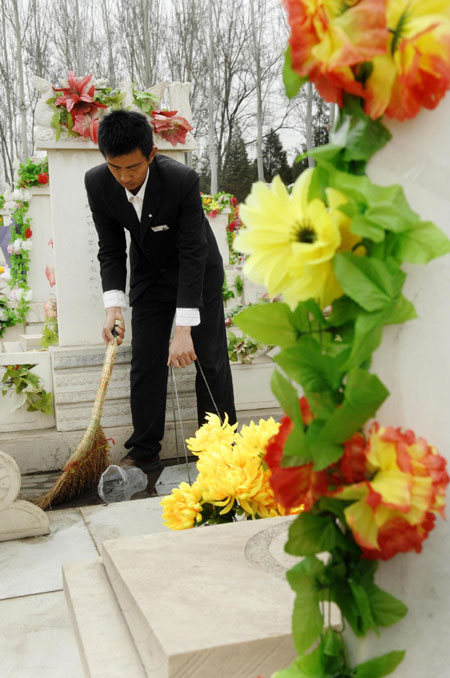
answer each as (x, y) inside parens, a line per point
(21, 86)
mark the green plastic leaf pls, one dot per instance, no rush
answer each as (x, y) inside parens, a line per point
(367, 337)
(363, 604)
(422, 244)
(380, 666)
(310, 534)
(364, 138)
(308, 364)
(364, 393)
(366, 228)
(307, 666)
(285, 393)
(269, 323)
(343, 311)
(371, 283)
(400, 311)
(296, 451)
(386, 609)
(292, 82)
(307, 620)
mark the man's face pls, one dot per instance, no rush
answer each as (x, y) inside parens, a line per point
(130, 169)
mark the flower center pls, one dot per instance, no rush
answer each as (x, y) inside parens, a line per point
(304, 232)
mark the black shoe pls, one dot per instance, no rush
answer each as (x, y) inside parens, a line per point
(147, 465)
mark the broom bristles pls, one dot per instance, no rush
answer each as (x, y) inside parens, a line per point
(81, 473)
(84, 468)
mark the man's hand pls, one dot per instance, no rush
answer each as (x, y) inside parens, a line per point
(113, 315)
(181, 349)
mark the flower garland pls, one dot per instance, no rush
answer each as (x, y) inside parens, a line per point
(232, 480)
(77, 109)
(333, 247)
(30, 173)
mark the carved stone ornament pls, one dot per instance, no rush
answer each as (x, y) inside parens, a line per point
(18, 518)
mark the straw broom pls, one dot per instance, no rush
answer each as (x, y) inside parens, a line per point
(84, 468)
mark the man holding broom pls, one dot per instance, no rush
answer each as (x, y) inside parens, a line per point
(176, 271)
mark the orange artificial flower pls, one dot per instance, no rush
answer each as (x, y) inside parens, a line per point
(329, 39)
(394, 507)
(414, 72)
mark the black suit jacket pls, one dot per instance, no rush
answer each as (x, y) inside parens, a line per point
(179, 263)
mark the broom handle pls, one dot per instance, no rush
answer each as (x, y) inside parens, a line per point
(105, 376)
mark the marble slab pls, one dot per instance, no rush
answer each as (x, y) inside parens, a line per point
(206, 602)
(104, 641)
(36, 638)
(124, 519)
(33, 565)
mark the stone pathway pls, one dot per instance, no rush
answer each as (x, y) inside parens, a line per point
(36, 636)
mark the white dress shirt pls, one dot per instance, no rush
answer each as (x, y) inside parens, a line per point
(184, 316)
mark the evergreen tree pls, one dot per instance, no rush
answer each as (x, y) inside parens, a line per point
(237, 173)
(275, 159)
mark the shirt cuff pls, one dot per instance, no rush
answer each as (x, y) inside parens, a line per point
(114, 298)
(187, 317)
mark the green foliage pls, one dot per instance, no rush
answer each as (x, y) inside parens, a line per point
(29, 172)
(270, 323)
(239, 285)
(275, 159)
(49, 333)
(20, 379)
(226, 292)
(237, 173)
(146, 101)
(241, 349)
(292, 82)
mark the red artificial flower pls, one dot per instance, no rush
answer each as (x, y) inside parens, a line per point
(78, 91)
(232, 226)
(28, 233)
(234, 200)
(87, 126)
(42, 178)
(50, 275)
(170, 126)
(352, 464)
(294, 485)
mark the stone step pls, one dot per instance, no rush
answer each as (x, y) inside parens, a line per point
(231, 577)
(12, 347)
(105, 645)
(34, 328)
(38, 451)
(30, 342)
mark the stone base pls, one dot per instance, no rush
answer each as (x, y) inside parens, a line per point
(223, 609)
(48, 450)
(18, 519)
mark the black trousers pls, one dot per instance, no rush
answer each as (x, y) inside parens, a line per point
(151, 326)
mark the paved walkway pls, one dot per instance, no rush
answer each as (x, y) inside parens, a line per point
(36, 637)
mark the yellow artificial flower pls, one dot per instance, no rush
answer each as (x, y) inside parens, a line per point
(182, 508)
(211, 434)
(292, 240)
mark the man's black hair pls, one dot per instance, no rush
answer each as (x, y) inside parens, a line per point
(122, 132)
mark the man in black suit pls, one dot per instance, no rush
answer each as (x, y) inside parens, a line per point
(175, 271)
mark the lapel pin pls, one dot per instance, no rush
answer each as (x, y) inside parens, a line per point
(150, 215)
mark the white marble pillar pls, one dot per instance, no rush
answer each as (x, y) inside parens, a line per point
(414, 363)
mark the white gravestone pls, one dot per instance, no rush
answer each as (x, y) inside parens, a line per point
(414, 363)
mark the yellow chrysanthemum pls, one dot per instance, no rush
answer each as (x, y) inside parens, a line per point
(182, 509)
(292, 240)
(211, 434)
(256, 436)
